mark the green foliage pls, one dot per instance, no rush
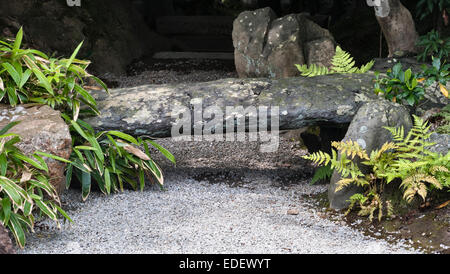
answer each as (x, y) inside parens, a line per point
(433, 45)
(426, 7)
(25, 187)
(438, 73)
(313, 70)
(342, 62)
(400, 86)
(405, 159)
(111, 158)
(29, 76)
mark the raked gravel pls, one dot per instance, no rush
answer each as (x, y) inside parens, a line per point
(200, 217)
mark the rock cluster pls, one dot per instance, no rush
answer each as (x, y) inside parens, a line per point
(266, 46)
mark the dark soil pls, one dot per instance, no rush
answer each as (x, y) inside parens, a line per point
(426, 227)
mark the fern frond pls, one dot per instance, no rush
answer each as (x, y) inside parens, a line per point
(313, 70)
(318, 157)
(376, 154)
(365, 68)
(398, 134)
(351, 148)
(342, 62)
(323, 172)
(415, 184)
(436, 169)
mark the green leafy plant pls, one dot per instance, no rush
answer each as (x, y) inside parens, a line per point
(25, 187)
(438, 73)
(29, 76)
(322, 173)
(405, 159)
(342, 62)
(111, 158)
(426, 7)
(400, 86)
(433, 45)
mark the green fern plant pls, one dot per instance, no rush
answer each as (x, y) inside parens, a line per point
(322, 173)
(342, 62)
(406, 159)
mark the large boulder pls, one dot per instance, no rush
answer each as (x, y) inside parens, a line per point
(6, 246)
(266, 46)
(367, 129)
(41, 129)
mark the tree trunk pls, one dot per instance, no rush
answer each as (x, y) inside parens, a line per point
(398, 27)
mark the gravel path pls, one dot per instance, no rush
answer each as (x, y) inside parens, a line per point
(256, 208)
(199, 217)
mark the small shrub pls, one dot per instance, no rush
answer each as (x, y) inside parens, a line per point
(111, 158)
(406, 159)
(426, 7)
(433, 45)
(400, 86)
(25, 188)
(438, 73)
(29, 76)
(342, 62)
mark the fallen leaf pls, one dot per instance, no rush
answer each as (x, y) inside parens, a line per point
(92, 88)
(26, 176)
(137, 152)
(443, 90)
(420, 80)
(443, 205)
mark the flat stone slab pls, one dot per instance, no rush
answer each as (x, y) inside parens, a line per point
(193, 55)
(153, 109)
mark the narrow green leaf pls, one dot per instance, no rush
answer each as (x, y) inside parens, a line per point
(17, 230)
(107, 181)
(164, 151)
(18, 40)
(74, 54)
(124, 136)
(43, 80)
(52, 157)
(85, 185)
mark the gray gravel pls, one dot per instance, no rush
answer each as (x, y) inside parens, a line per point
(198, 217)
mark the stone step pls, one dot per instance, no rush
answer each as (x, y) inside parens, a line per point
(203, 43)
(193, 55)
(195, 25)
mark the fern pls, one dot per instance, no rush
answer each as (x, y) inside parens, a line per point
(322, 173)
(342, 62)
(313, 70)
(406, 159)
